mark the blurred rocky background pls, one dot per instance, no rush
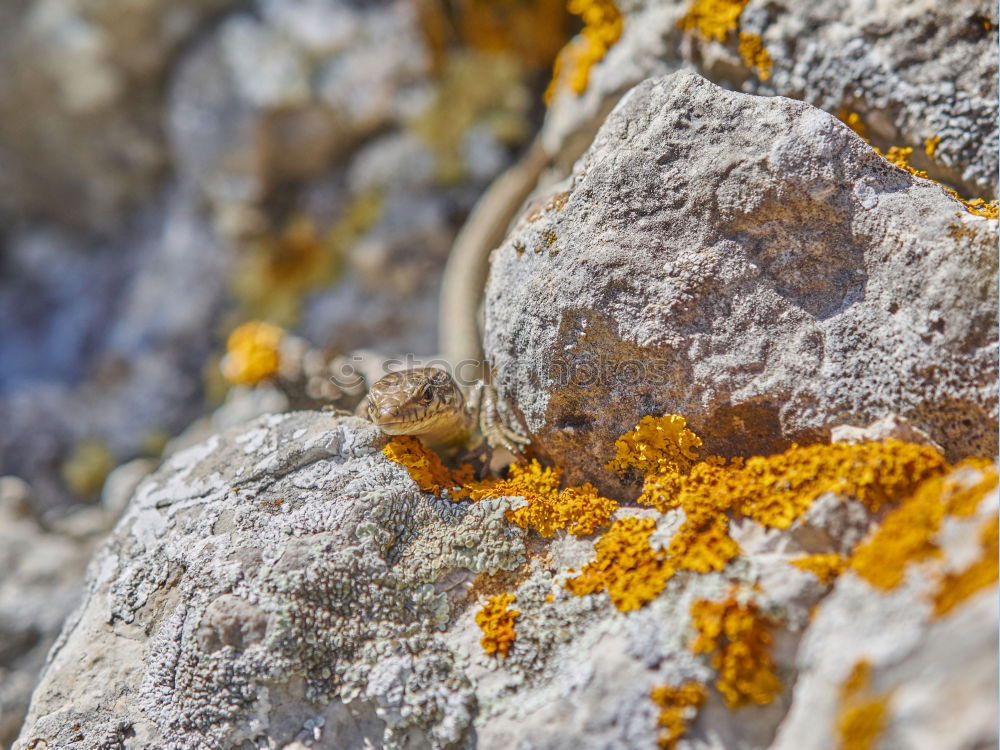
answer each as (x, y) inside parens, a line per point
(207, 206)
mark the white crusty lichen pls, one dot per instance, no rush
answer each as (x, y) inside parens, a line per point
(286, 574)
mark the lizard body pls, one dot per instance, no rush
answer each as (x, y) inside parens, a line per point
(427, 401)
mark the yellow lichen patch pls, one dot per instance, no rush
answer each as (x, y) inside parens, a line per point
(858, 680)
(931, 144)
(578, 510)
(852, 120)
(956, 588)
(678, 706)
(253, 353)
(497, 623)
(963, 495)
(754, 54)
(739, 639)
(627, 567)
(900, 157)
(702, 544)
(532, 481)
(278, 267)
(861, 724)
(825, 567)
(776, 490)
(772, 491)
(713, 19)
(979, 207)
(657, 445)
(602, 26)
(533, 30)
(87, 466)
(863, 715)
(425, 466)
(907, 533)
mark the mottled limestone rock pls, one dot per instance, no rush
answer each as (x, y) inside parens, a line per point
(284, 585)
(913, 73)
(40, 584)
(280, 578)
(753, 265)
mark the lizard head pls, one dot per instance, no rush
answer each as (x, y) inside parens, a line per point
(420, 401)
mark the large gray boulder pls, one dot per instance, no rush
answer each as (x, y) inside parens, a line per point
(912, 73)
(753, 265)
(284, 585)
(283, 578)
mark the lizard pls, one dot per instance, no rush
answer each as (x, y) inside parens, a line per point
(429, 402)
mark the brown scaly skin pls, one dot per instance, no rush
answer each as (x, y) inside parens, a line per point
(426, 402)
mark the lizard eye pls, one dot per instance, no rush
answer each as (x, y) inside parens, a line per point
(426, 395)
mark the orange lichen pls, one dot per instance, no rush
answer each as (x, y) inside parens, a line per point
(276, 268)
(678, 706)
(739, 639)
(627, 567)
(531, 481)
(755, 55)
(931, 144)
(657, 445)
(578, 510)
(979, 207)
(713, 19)
(252, 353)
(907, 533)
(776, 490)
(533, 30)
(863, 715)
(702, 544)
(955, 588)
(852, 120)
(964, 493)
(900, 157)
(858, 679)
(529, 31)
(602, 26)
(497, 623)
(825, 567)
(772, 491)
(426, 468)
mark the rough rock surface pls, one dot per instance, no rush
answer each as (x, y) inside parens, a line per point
(753, 265)
(284, 583)
(40, 585)
(911, 73)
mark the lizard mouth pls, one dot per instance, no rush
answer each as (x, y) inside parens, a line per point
(402, 426)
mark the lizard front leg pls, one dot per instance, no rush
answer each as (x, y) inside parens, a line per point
(484, 412)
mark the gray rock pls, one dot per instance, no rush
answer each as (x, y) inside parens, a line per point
(912, 73)
(748, 263)
(284, 585)
(937, 675)
(294, 582)
(41, 572)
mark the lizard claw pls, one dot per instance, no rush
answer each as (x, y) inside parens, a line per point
(496, 433)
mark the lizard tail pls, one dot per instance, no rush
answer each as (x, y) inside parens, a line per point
(469, 261)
